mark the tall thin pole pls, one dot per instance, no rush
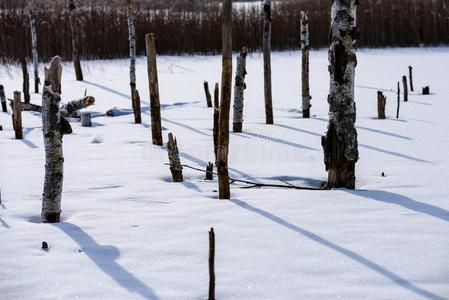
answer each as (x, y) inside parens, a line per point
(305, 65)
(34, 50)
(267, 62)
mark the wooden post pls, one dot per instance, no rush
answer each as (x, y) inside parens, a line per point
(340, 143)
(26, 81)
(17, 116)
(156, 128)
(3, 98)
(216, 119)
(426, 90)
(405, 86)
(52, 131)
(381, 102)
(239, 90)
(305, 65)
(136, 107)
(73, 20)
(410, 76)
(399, 100)
(86, 120)
(226, 85)
(211, 264)
(132, 62)
(34, 51)
(267, 61)
(207, 92)
(173, 157)
(209, 172)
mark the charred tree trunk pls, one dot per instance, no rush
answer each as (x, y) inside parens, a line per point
(74, 24)
(216, 119)
(239, 90)
(3, 98)
(156, 127)
(267, 62)
(381, 102)
(207, 93)
(34, 51)
(225, 102)
(305, 66)
(340, 143)
(399, 100)
(410, 76)
(173, 157)
(132, 62)
(17, 116)
(26, 81)
(405, 87)
(53, 126)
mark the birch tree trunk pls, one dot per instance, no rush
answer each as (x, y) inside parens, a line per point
(71, 109)
(239, 90)
(74, 24)
(226, 85)
(132, 62)
(340, 143)
(305, 65)
(52, 123)
(34, 50)
(267, 62)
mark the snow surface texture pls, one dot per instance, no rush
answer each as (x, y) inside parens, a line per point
(128, 232)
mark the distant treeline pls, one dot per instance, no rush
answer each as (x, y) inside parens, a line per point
(191, 27)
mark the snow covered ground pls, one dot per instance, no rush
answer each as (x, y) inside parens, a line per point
(130, 233)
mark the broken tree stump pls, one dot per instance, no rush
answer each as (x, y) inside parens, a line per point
(267, 62)
(26, 81)
(208, 95)
(136, 107)
(399, 100)
(239, 90)
(3, 98)
(405, 87)
(86, 120)
(156, 127)
(70, 109)
(211, 264)
(37, 81)
(426, 90)
(74, 28)
(304, 30)
(17, 116)
(173, 157)
(381, 102)
(216, 119)
(410, 77)
(209, 172)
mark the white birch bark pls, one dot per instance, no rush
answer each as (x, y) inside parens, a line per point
(132, 45)
(239, 90)
(304, 31)
(34, 50)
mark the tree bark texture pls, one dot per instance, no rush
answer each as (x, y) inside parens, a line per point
(405, 87)
(340, 143)
(226, 86)
(34, 50)
(17, 116)
(216, 119)
(3, 98)
(70, 109)
(381, 103)
(156, 127)
(267, 62)
(305, 65)
(132, 61)
(26, 81)
(173, 157)
(207, 93)
(74, 24)
(239, 90)
(52, 125)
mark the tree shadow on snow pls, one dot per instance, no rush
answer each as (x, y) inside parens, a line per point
(104, 257)
(396, 279)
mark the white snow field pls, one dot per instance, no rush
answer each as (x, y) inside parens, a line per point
(128, 232)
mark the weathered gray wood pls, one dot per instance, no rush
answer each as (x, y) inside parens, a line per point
(74, 24)
(132, 62)
(26, 81)
(216, 119)
(405, 87)
(340, 143)
(86, 120)
(305, 65)
(173, 157)
(34, 50)
(17, 116)
(156, 127)
(225, 102)
(136, 107)
(3, 98)
(208, 95)
(399, 100)
(410, 76)
(52, 125)
(381, 103)
(267, 62)
(239, 90)
(71, 108)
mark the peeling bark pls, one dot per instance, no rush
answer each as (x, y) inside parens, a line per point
(267, 61)
(305, 66)
(340, 143)
(239, 90)
(34, 50)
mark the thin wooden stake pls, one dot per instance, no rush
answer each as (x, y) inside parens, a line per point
(267, 62)
(3, 98)
(399, 100)
(173, 157)
(156, 127)
(381, 102)
(17, 116)
(405, 86)
(211, 264)
(26, 81)
(208, 95)
(216, 119)
(410, 76)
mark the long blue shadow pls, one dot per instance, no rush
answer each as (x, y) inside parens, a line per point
(280, 141)
(185, 126)
(406, 202)
(4, 224)
(108, 89)
(396, 279)
(104, 257)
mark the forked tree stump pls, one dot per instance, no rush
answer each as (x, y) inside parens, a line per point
(17, 116)
(207, 93)
(209, 172)
(173, 157)
(381, 103)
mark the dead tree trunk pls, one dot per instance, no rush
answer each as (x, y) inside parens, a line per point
(410, 76)
(381, 102)
(209, 172)
(211, 264)
(207, 92)
(73, 20)
(405, 87)
(3, 98)
(267, 61)
(136, 107)
(71, 109)
(26, 81)
(17, 116)
(239, 90)
(216, 119)
(52, 125)
(156, 127)
(34, 51)
(226, 85)
(340, 143)
(399, 100)
(305, 66)
(132, 62)
(173, 157)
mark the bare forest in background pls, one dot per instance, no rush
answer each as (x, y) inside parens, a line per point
(194, 27)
